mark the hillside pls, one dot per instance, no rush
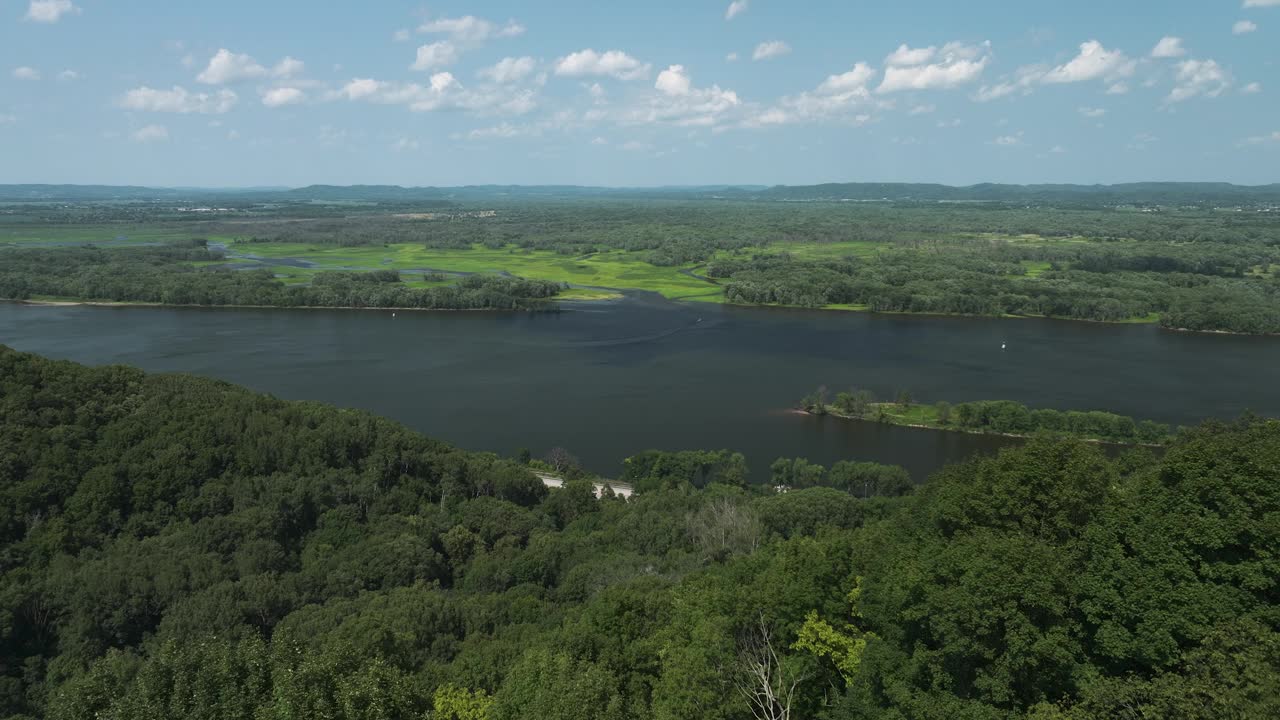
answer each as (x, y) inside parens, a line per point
(178, 547)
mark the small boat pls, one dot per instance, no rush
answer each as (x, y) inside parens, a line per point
(393, 314)
(1003, 345)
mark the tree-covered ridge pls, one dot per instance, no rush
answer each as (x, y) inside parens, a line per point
(169, 275)
(179, 547)
(1003, 417)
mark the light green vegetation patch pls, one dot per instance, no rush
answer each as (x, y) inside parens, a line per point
(1034, 268)
(615, 269)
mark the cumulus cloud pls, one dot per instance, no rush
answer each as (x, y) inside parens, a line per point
(178, 100)
(770, 49)
(922, 109)
(227, 67)
(26, 73)
(731, 57)
(281, 96)
(68, 75)
(50, 11)
(1168, 47)
(435, 55)
(736, 8)
(907, 56)
(613, 63)
(1261, 3)
(1199, 78)
(471, 30)
(150, 133)
(843, 97)
(1023, 81)
(673, 81)
(1118, 88)
(1243, 27)
(1092, 112)
(1094, 61)
(509, 70)
(442, 91)
(952, 65)
(288, 67)
(1251, 88)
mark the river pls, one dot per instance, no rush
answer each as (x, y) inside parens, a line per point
(606, 380)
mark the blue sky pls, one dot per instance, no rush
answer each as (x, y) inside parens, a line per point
(237, 93)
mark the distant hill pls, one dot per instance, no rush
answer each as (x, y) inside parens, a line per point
(1162, 193)
(1143, 193)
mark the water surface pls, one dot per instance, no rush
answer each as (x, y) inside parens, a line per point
(606, 380)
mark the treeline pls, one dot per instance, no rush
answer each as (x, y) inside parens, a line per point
(959, 281)
(656, 470)
(179, 547)
(1005, 417)
(166, 275)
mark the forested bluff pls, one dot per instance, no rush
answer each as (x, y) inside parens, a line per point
(179, 547)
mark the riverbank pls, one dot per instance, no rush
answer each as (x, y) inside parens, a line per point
(130, 304)
(1002, 418)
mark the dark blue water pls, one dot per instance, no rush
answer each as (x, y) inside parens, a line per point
(608, 380)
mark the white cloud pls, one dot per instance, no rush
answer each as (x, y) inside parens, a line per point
(1168, 47)
(471, 30)
(435, 55)
(1057, 150)
(150, 133)
(1199, 78)
(854, 80)
(1024, 80)
(907, 56)
(178, 100)
(1092, 112)
(405, 145)
(954, 122)
(50, 11)
(1244, 27)
(679, 103)
(736, 8)
(8, 119)
(1118, 88)
(401, 35)
(68, 75)
(1263, 139)
(922, 109)
(770, 49)
(1261, 3)
(442, 91)
(673, 81)
(613, 62)
(504, 130)
(1141, 141)
(845, 97)
(1008, 140)
(509, 70)
(731, 57)
(599, 141)
(1094, 61)
(279, 97)
(26, 73)
(1251, 88)
(953, 65)
(228, 67)
(288, 67)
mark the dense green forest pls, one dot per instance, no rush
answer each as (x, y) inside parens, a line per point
(1187, 265)
(166, 275)
(1005, 417)
(179, 547)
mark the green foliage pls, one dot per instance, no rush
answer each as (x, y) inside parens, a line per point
(178, 547)
(455, 703)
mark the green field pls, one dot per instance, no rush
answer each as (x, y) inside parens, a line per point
(613, 269)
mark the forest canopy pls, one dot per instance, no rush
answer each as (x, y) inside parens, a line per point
(178, 547)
